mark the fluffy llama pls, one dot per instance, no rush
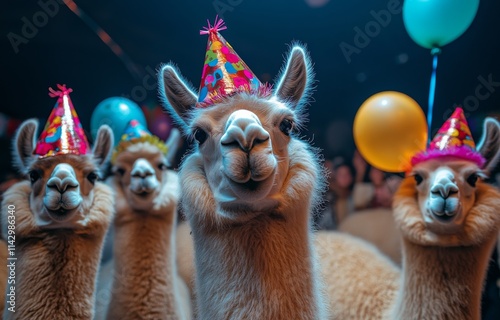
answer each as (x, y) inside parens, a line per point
(248, 190)
(449, 223)
(449, 220)
(145, 284)
(61, 217)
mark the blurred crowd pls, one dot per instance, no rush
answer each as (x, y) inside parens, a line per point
(354, 186)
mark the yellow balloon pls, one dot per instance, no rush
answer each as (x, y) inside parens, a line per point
(389, 129)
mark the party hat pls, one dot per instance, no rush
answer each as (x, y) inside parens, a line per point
(135, 132)
(63, 133)
(224, 72)
(453, 139)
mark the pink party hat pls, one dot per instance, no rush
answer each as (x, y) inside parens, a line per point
(63, 133)
(453, 139)
(224, 72)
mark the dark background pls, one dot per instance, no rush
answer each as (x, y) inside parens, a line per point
(66, 50)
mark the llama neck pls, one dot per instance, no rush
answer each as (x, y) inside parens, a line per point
(262, 269)
(443, 282)
(144, 254)
(55, 276)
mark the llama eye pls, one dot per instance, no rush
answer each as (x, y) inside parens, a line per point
(472, 179)
(162, 166)
(120, 171)
(200, 136)
(286, 126)
(418, 178)
(34, 176)
(92, 177)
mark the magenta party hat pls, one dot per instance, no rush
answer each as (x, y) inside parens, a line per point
(135, 132)
(224, 72)
(453, 139)
(63, 133)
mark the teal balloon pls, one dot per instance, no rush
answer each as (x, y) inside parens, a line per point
(435, 23)
(116, 112)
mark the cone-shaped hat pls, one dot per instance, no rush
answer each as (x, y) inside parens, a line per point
(453, 139)
(224, 72)
(63, 133)
(135, 132)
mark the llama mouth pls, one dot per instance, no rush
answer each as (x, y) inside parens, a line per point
(445, 223)
(250, 185)
(444, 217)
(60, 214)
(142, 193)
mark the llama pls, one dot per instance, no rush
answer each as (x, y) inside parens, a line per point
(61, 217)
(449, 221)
(248, 191)
(449, 224)
(145, 283)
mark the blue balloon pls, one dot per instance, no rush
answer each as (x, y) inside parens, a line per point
(435, 23)
(116, 112)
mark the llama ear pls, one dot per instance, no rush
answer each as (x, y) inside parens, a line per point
(103, 145)
(24, 144)
(296, 78)
(177, 95)
(173, 143)
(489, 146)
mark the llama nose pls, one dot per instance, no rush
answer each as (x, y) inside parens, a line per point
(63, 177)
(244, 130)
(142, 169)
(444, 187)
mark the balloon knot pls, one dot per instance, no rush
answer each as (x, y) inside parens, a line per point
(218, 26)
(435, 51)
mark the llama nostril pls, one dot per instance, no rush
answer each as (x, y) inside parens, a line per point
(142, 175)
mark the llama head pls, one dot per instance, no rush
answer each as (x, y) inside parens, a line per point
(141, 171)
(244, 140)
(62, 185)
(444, 202)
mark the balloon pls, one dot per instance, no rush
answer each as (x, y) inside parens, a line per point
(389, 129)
(435, 23)
(161, 125)
(116, 112)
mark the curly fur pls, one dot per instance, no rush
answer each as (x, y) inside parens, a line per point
(56, 269)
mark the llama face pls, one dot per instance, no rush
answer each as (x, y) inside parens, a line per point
(62, 186)
(244, 146)
(62, 190)
(446, 193)
(444, 202)
(243, 141)
(140, 170)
